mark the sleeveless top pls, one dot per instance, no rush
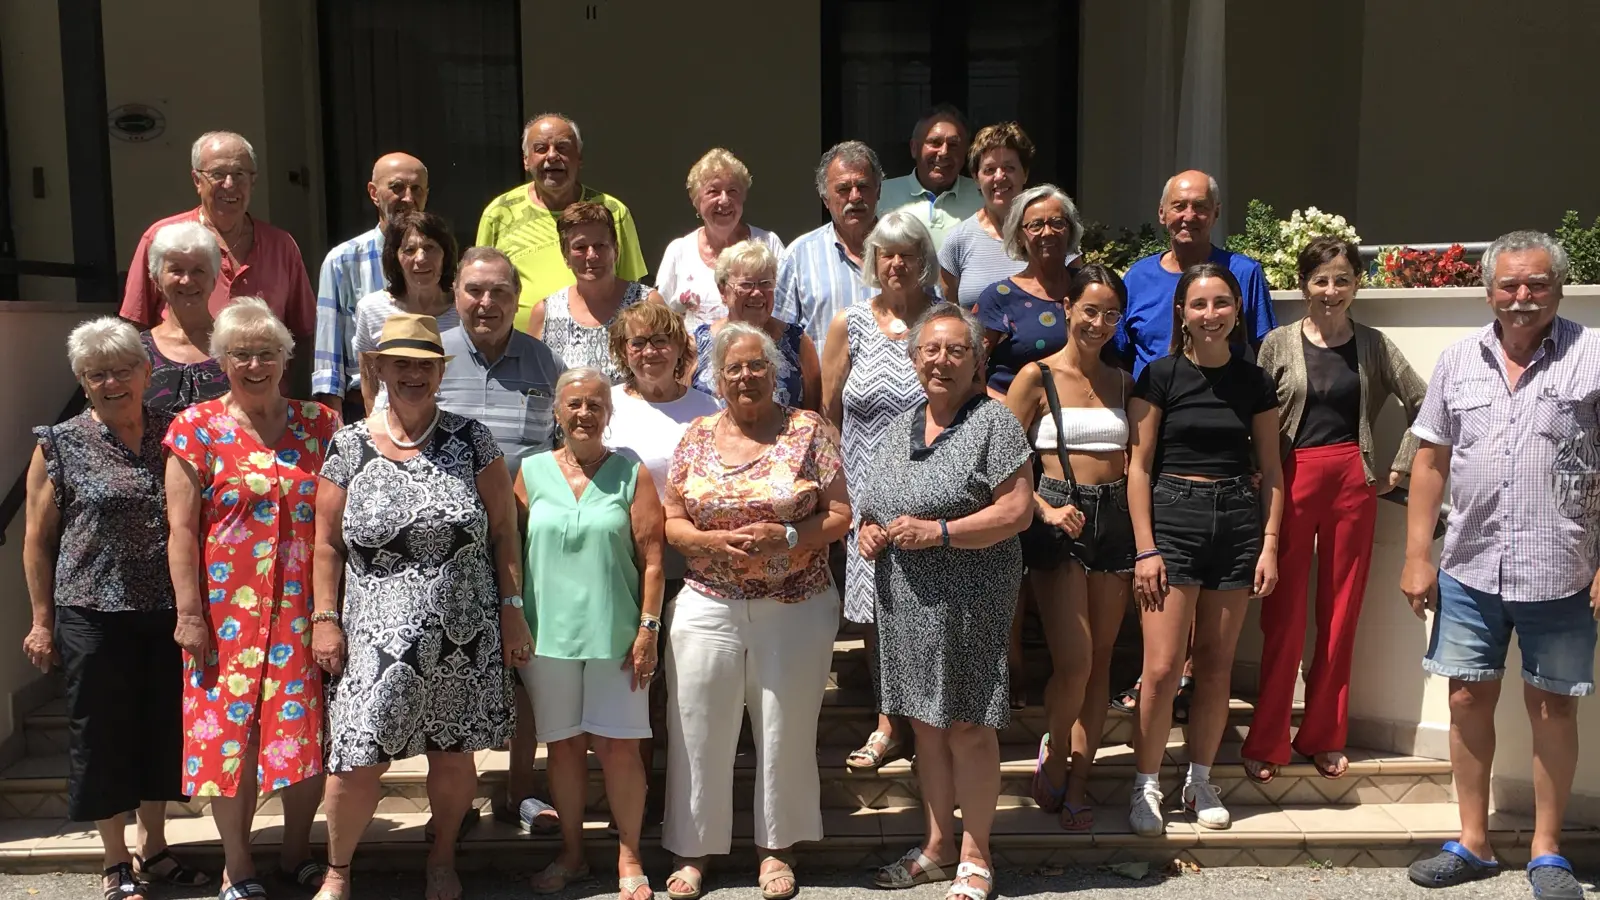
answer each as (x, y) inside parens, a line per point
(1096, 429)
(176, 386)
(790, 386)
(579, 345)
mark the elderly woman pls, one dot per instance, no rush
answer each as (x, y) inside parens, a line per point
(1200, 420)
(95, 557)
(1333, 376)
(574, 321)
(419, 273)
(184, 263)
(940, 506)
(1023, 315)
(594, 537)
(974, 253)
(755, 495)
(747, 276)
(868, 381)
(241, 484)
(414, 511)
(718, 185)
(1079, 549)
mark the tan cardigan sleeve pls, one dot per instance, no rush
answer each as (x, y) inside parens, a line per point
(1402, 381)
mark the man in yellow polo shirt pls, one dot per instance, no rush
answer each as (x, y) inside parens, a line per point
(522, 222)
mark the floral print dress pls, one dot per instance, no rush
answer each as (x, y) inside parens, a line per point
(257, 515)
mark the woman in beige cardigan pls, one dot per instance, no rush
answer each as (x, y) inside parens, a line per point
(1334, 375)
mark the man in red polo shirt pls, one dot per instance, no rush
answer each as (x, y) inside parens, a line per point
(258, 260)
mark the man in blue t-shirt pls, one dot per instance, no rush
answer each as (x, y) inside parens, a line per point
(1189, 207)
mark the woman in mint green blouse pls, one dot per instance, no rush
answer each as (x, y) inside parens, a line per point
(593, 602)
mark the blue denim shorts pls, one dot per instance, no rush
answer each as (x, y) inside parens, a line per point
(1472, 632)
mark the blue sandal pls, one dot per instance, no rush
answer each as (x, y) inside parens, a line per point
(1048, 796)
(1454, 865)
(1552, 878)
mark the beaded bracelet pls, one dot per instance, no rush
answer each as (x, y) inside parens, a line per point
(326, 615)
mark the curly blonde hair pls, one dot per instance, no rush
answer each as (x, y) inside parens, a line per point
(717, 161)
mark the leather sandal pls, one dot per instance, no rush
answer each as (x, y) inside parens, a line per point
(898, 874)
(691, 872)
(180, 874)
(125, 884)
(869, 758)
(784, 870)
(959, 887)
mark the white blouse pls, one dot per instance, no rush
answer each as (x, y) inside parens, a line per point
(690, 286)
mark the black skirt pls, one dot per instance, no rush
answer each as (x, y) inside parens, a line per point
(124, 677)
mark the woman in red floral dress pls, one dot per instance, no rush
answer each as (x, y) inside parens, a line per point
(241, 490)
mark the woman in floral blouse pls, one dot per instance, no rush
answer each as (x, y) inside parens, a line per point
(241, 492)
(755, 495)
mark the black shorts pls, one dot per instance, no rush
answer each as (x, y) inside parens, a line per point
(124, 680)
(1106, 542)
(1208, 532)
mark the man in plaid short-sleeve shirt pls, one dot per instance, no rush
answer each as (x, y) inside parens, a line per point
(1513, 415)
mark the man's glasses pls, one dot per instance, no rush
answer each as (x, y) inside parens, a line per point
(955, 352)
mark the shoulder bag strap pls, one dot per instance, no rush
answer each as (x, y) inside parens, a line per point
(1055, 413)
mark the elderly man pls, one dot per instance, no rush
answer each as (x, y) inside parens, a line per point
(1511, 417)
(820, 273)
(935, 192)
(258, 260)
(1190, 204)
(353, 270)
(522, 221)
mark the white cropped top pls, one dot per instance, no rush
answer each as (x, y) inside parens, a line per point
(1089, 430)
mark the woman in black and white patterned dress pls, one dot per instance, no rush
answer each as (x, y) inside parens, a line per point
(940, 508)
(415, 506)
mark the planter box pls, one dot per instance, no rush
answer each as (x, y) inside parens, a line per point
(1569, 292)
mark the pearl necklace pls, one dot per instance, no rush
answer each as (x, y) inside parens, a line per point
(410, 445)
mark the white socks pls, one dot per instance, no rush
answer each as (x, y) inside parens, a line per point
(1199, 774)
(1140, 780)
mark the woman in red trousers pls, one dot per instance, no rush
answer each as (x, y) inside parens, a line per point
(1334, 375)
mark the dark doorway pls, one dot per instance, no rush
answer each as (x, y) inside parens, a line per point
(885, 61)
(439, 79)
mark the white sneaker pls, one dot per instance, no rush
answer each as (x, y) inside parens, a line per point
(1144, 811)
(1204, 800)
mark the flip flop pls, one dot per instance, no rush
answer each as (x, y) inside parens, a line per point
(1077, 819)
(1047, 796)
(630, 884)
(1260, 772)
(1332, 772)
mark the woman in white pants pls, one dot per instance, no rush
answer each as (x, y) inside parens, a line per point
(755, 495)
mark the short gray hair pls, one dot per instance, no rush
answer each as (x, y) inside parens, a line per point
(104, 342)
(183, 237)
(528, 129)
(897, 230)
(851, 153)
(1520, 241)
(488, 254)
(745, 255)
(939, 312)
(1213, 191)
(249, 318)
(580, 374)
(201, 141)
(1012, 231)
(733, 331)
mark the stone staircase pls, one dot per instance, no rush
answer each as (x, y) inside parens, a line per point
(1387, 811)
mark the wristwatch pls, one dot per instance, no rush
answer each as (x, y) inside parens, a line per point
(514, 601)
(791, 534)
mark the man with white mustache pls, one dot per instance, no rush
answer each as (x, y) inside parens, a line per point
(935, 192)
(1190, 205)
(522, 221)
(820, 273)
(353, 270)
(1510, 415)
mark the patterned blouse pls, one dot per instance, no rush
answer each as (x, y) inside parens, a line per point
(580, 345)
(784, 484)
(113, 505)
(176, 386)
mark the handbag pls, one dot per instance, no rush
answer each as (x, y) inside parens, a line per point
(1044, 546)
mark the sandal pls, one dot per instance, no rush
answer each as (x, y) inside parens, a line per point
(1180, 703)
(1552, 878)
(869, 758)
(326, 893)
(555, 877)
(1260, 772)
(898, 875)
(690, 872)
(180, 874)
(1128, 700)
(630, 884)
(442, 884)
(1046, 795)
(1454, 865)
(1331, 771)
(1077, 819)
(768, 876)
(126, 884)
(959, 887)
(243, 889)
(309, 875)
(538, 817)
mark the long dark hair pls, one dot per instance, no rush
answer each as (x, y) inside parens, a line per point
(1180, 335)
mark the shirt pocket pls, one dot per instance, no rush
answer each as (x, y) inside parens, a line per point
(538, 417)
(1558, 415)
(1471, 410)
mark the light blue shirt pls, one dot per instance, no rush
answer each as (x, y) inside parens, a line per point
(940, 212)
(816, 279)
(350, 271)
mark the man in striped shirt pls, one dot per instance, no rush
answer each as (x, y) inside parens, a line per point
(820, 273)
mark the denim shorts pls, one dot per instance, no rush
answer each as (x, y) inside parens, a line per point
(1106, 542)
(1208, 532)
(1472, 631)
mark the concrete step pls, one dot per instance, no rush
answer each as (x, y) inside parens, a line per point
(1024, 840)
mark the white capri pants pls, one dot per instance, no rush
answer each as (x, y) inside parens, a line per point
(722, 657)
(585, 696)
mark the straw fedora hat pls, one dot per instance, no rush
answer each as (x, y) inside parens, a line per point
(410, 335)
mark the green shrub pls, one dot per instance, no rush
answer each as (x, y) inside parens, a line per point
(1583, 248)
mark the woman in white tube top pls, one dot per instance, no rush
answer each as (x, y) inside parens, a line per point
(1079, 549)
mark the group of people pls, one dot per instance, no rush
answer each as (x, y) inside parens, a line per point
(536, 500)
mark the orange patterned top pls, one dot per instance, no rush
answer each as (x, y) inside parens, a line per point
(785, 484)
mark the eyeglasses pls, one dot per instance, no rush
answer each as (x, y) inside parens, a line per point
(1037, 227)
(656, 341)
(219, 176)
(122, 374)
(754, 287)
(756, 368)
(1108, 316)
(955, 352)
(245, 357)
